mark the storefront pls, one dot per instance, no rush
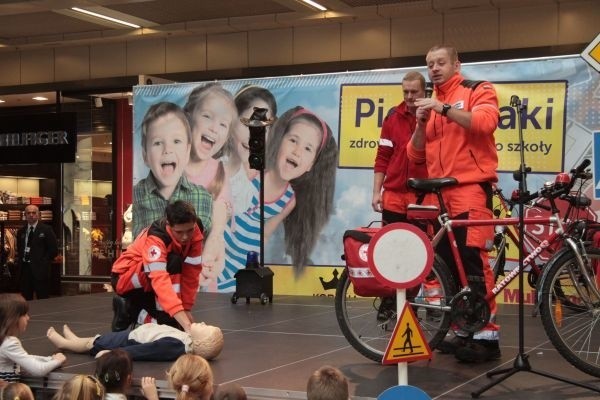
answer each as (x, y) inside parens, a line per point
(64, 158)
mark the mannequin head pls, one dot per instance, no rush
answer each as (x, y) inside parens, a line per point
(207, 340)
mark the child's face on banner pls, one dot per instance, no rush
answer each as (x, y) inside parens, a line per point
(212, 120)
(298, 150)
(167, 149)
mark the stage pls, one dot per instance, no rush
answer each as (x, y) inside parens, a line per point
(272, 349)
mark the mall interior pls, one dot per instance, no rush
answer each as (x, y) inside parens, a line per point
(56, 57)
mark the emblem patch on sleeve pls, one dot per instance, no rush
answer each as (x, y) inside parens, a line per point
(153, 253)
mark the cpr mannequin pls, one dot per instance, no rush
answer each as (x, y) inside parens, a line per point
(148, 342)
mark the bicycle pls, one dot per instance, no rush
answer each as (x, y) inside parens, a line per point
(575, 204)
(367, 323)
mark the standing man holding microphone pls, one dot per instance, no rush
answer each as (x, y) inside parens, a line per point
(392, 166)
(455, 135)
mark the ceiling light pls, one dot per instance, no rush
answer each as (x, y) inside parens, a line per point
(2, 101)
(105, 17)
(315, 5)
(40, 98)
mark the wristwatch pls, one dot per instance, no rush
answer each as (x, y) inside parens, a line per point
(445, 108)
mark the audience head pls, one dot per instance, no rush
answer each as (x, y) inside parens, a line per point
(207, 340)
(229, 391)
(16, 391)
(191, 377)
(114, 370)
(81, 387)
(327, 383)
(13, 309)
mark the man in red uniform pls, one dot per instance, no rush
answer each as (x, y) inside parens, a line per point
(157, 278)
(455, 135)
(392, 166)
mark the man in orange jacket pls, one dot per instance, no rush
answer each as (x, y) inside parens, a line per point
(455, 135)
(157, 278)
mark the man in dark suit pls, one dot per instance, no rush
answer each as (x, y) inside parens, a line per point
(36, 245)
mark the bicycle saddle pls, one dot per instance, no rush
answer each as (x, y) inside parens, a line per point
(431, 185)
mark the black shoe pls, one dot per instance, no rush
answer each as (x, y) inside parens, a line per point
(121, 318)
(386, 309)
(452, 345)
(477, 351)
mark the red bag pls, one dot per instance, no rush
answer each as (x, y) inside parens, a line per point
(356, 245)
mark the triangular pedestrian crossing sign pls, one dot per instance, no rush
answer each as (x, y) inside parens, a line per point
(407, 342)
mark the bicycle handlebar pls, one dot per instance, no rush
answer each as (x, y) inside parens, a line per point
(553, 190)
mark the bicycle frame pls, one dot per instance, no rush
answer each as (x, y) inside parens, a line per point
(447, 225)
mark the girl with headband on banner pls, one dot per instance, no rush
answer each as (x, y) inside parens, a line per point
(301, 161)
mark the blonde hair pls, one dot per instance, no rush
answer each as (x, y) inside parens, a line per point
(16, 391)
(191, 377)
(81, 387)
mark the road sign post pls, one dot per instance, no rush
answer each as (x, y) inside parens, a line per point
(400, 256)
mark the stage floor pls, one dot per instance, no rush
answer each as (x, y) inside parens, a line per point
(272, 349)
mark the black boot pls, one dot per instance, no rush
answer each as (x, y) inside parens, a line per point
(121, 318)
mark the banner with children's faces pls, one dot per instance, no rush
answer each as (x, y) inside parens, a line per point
(320, 153)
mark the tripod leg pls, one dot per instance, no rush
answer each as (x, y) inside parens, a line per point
(507, 375)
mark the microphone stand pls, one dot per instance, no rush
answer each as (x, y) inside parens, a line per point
(521, 362)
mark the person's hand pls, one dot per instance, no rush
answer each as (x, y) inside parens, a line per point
(190, 316)
(59, 357)
(148, 388)
(376, 202)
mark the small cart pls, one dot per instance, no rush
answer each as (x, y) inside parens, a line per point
(254, 282)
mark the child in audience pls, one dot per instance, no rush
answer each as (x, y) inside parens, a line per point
(80, 387)
(230, 391)
(114, 370)
(14, 360)
(301, 162)
(238, 150)
(327, 383)
(147, 342)
(190, 376)
(211, 111)
(16, 391)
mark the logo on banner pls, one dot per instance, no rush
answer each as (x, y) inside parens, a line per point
(407, 342)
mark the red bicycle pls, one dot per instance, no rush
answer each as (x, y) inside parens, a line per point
(571, 274)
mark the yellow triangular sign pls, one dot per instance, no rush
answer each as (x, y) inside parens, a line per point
(407, 342)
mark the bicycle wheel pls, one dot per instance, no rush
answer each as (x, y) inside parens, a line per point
(368, 322)
(570, 311)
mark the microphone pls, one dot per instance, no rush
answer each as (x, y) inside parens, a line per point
(515, 101)
(429, 89)
(428, 94)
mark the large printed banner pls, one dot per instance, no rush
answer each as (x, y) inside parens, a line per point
(320, 153)
(363, 108)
